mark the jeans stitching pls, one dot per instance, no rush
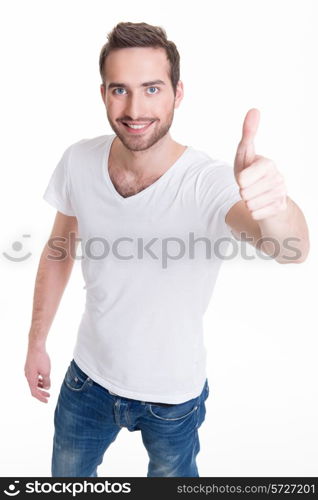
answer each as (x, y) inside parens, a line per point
(172, 419)
(73, 374)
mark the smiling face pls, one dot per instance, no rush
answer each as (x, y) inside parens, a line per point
(138, 90)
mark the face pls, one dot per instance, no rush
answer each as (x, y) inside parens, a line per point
(139, 91)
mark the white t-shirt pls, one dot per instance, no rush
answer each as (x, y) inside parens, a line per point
(148, 282)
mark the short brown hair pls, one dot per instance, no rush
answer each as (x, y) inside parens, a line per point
(141, 35)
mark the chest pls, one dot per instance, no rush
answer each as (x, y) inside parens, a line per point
(127, 184)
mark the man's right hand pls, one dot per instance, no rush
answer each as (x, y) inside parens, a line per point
(37, 370)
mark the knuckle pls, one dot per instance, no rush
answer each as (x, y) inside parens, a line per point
(241, 179)
(278, 190)
(250, 204)
(243, 193)
(279, 178)
(272, 165)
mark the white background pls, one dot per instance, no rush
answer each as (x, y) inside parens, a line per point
(261, 327)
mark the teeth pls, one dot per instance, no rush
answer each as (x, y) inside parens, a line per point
(137, 126)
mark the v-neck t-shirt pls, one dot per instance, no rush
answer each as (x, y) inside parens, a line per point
(149, 262)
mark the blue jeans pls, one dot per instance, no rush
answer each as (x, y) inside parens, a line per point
(88, 417)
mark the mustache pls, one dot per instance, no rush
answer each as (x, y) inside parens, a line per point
(137, 121)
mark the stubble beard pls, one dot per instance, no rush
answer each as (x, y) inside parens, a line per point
(142, 143)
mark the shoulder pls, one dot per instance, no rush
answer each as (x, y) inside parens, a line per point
(87, 151)
(91, 144)
(206, 164)
(209, 172)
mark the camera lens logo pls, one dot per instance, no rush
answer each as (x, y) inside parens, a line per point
(12, 492)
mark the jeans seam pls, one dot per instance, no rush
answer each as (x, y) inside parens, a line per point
(173, 419)
(73, 374)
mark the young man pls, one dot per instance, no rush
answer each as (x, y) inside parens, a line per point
(149, 213)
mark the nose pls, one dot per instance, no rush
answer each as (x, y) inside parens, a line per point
(135, 108)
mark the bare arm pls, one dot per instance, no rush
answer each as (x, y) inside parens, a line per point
(289, 223)
(51, 280)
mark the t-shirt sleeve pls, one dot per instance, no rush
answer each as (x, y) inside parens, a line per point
(57, 192)
(219, 191)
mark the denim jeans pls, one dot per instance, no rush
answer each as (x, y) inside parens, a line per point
(88, 418)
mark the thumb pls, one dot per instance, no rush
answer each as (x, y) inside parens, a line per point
(46, 382)
(245, 154)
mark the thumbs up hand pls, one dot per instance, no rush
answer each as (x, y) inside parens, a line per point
(262, 186)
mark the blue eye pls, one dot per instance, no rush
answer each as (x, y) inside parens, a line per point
(119, 88)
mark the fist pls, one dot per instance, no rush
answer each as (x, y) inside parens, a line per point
(262, 186)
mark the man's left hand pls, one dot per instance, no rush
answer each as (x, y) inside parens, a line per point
(262, 186)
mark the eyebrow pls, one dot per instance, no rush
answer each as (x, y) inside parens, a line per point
(145, 84)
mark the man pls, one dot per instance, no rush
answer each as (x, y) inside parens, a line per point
(147, 211)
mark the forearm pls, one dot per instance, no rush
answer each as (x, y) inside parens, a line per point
(286, 234)
(51, 280)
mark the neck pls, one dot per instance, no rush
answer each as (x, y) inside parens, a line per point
(151, 161)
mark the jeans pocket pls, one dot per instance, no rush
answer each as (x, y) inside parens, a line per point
(174, 412)
(75, 379)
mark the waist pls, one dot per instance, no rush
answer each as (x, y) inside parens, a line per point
(148, 402)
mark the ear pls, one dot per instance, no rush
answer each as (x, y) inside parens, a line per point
(179, 94)
(102, 91)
